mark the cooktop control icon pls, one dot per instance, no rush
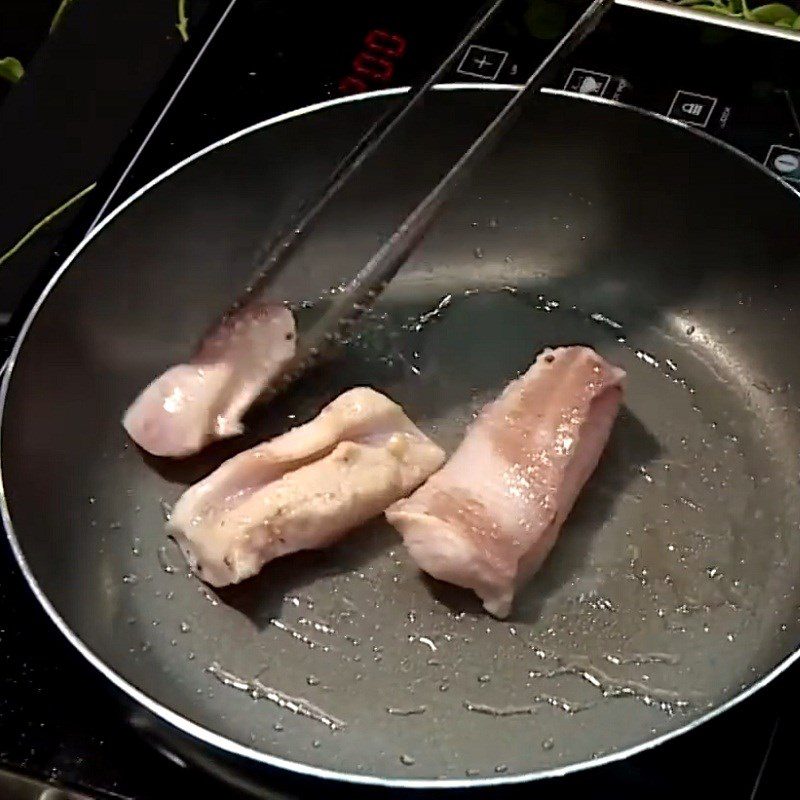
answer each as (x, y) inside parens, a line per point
(482, 62)
(784, 162)
(696, 109)
(586, 81)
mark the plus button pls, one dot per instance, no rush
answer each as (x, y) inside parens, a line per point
(482, 62)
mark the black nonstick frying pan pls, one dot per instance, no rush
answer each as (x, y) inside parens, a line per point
(673, 590)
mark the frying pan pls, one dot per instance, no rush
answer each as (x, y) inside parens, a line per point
(672, 591)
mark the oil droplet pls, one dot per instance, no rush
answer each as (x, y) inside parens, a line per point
(163, 561)
(185, 628)
(484, 678)
(648, 359)
(277, 727)
(312, 680)
(130, 578)
(316, 743)
(547, 744)
(602, 319)
(407, 760)
(166, 509)
(405, 712)
(258, 691)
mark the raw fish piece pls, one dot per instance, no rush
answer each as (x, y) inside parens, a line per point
(488, 519)
(304, 489)
(193, 404)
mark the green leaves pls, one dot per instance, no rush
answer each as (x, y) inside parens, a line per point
(15, 248)
(714, 9)
(60, 11)
(773, 14)
(183, 21)
(778, 14)
(11, 69)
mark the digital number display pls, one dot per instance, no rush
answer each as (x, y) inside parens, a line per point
(375, 63)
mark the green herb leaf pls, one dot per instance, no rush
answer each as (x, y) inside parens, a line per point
(60, 11)
(713, 9)
(46, 220)
(773, 13)
(183, 21)
(11, 69)
(721, 4)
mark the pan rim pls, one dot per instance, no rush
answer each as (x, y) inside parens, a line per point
(223, 743)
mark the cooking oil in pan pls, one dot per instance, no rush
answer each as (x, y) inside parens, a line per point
(653, 578)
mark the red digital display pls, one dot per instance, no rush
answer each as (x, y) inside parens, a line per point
(374, 65)
(390, 44)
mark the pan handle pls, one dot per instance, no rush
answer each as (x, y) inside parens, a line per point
(21, 787)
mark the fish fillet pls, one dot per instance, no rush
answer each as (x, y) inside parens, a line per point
(304, 489)
(193, 404)
(488, 519)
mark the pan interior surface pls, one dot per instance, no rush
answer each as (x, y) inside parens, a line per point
(673, 586)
